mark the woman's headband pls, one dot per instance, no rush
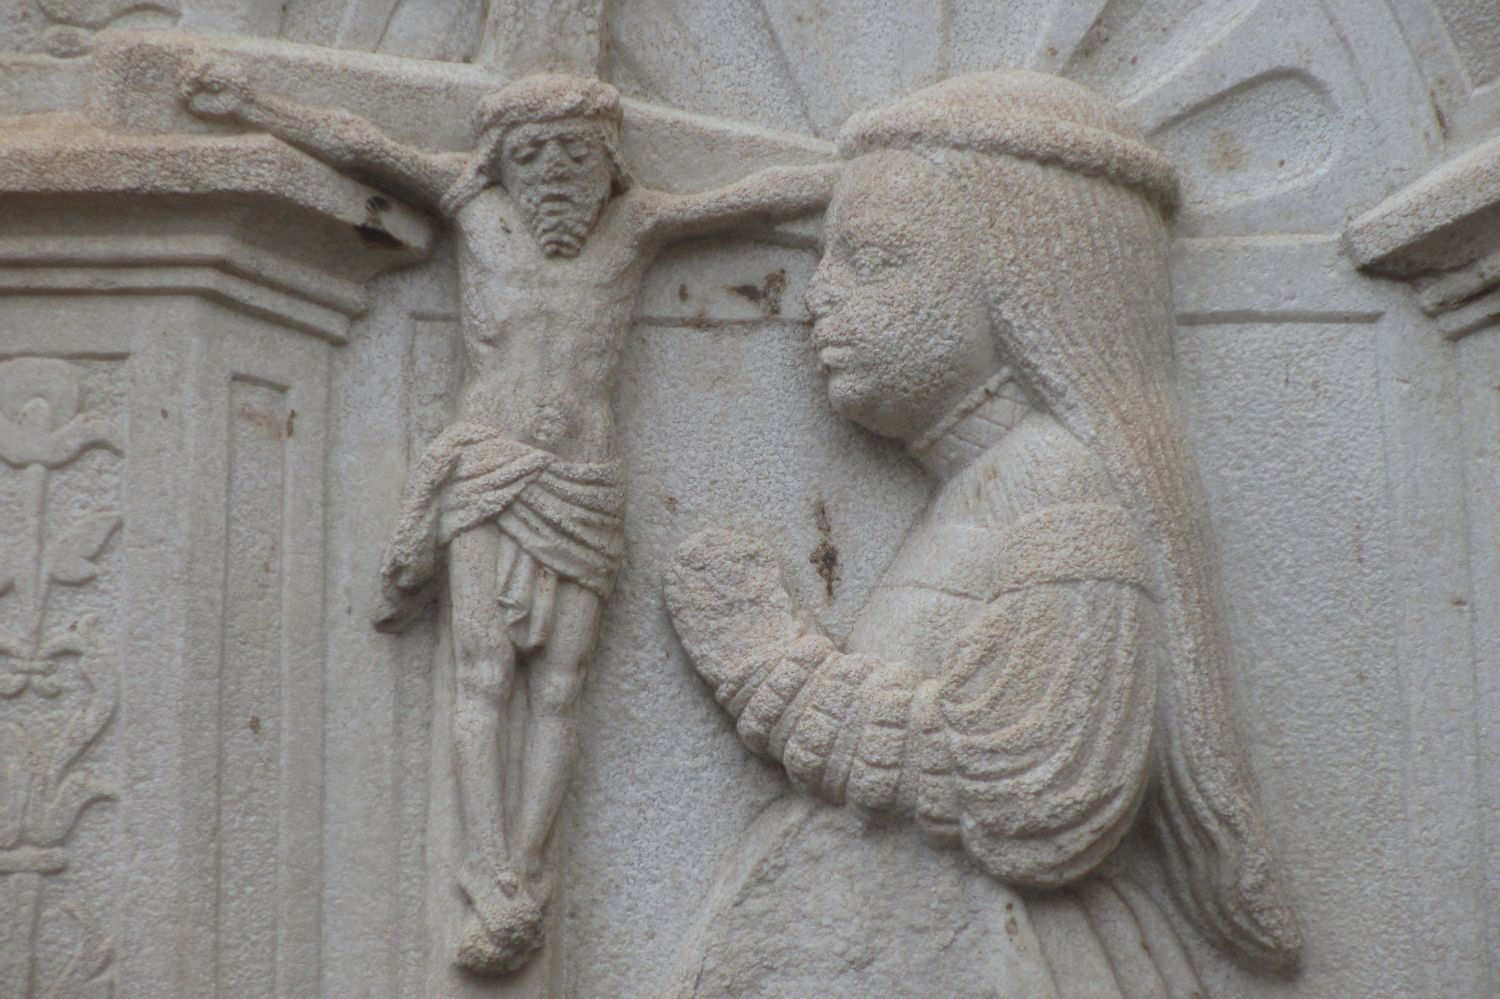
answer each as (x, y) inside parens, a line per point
(1026, 115)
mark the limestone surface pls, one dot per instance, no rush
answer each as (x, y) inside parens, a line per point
(859, 498)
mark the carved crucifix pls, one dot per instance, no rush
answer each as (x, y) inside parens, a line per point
(520, 499)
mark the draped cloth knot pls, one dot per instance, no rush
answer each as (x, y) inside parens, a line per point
(561, 520)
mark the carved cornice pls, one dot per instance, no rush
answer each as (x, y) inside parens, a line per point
(244, 220)
(1442, 235)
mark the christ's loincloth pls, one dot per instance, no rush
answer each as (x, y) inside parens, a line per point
(559, 520)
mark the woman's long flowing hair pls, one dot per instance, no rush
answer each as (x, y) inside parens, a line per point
(1081, 303)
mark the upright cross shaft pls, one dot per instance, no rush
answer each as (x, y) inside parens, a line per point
(543, 36)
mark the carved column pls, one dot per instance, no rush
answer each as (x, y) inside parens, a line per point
(1440, 235)
(170, 305)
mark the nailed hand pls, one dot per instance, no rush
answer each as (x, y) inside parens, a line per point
(215, 90)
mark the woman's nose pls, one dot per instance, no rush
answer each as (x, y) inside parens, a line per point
(820, 296)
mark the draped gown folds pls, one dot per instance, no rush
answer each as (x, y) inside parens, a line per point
(997, 696)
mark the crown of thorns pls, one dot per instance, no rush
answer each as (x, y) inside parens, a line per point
(547, 97)
(1026, 115)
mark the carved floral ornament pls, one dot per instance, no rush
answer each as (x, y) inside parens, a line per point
(57, 687)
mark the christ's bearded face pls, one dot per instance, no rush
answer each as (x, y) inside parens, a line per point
(559, 174)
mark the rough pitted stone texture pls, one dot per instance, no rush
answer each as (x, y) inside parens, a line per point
(1140, 589)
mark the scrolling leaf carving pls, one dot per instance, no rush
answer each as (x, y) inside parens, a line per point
(58, 690)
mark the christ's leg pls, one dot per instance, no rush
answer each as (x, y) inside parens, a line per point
(484, 661)
(555, 679)
(504, 925)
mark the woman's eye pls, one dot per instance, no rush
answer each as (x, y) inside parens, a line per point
(524, 154)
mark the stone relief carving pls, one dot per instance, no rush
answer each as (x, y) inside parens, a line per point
(1044, 666)
(57, 688)
(1344, 445)
(66, 29)
(1438, 235)
(520, 500)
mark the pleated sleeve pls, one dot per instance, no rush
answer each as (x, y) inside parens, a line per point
(1029, 745)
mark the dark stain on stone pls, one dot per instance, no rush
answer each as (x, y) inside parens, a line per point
(373, 230)
(767, 295)
(291, 423)
(255, 724)
(377, 237)
(265, 419)
(825, 557)
(1437, 112)
(1227, 154)
(682, 293)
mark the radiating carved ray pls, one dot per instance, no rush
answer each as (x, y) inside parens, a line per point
(984, 35)
(1244, 47)
(849, 54)
(413, 30)
(801, 73)
(945, 36)
(719, 59)
(98, 13)
(384, 23)
(628, 73)
(315, 22)
(1256, 112)
(785, 61)
(397, 27)
(1066, 30)
(1133, 43)
(531, 36)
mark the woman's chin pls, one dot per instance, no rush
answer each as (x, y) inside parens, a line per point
(855, 400)
(846, 396)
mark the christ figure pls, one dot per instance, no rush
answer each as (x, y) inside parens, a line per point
(520, 499)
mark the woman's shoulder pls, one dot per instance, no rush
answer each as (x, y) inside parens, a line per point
(1037, 465)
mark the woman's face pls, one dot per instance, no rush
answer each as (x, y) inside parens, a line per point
(900, 323)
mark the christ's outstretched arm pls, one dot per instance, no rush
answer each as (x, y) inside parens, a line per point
(768, 196)
(338, 137)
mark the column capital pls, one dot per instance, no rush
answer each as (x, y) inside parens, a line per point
(1441, 234)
